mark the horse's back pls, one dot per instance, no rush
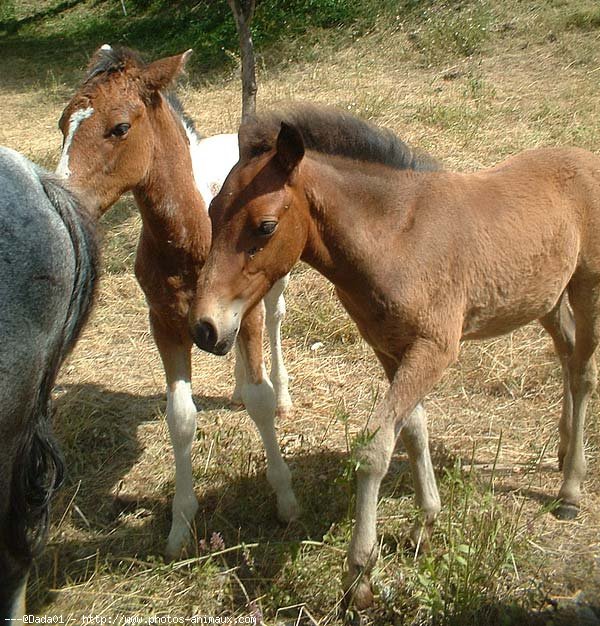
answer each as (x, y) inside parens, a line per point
(516, 235)
(572, 172)
(564, 182)
(37, 251)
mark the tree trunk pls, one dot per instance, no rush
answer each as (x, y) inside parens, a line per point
(243, 11)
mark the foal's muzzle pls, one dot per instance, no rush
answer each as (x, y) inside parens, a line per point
(206, 337)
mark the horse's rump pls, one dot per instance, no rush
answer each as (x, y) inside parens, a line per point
(38, 466)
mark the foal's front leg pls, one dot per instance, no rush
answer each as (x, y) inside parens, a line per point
(260, 401)
(274, 314)
(175, 352)
(415, 438)
(421, 367)
(240, 379)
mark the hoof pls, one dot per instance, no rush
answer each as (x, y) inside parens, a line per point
(288, 509)
(185, 550)
(358, 593)
(284, 412)
(362, 597)
(173, 553)
(566, 511)
(419, 540)
(352, 618)
(182, 533)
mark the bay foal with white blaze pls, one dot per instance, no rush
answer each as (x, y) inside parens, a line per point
(421, 258)
(123, 132)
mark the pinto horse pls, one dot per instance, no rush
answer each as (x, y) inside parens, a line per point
(123, 132)
(48, 263)
(421, 258)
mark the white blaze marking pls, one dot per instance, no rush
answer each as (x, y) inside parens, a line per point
(74, 121)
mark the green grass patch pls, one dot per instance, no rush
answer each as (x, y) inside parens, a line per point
(471, 575)
(582, 18)
(159, 27)
(451, 29)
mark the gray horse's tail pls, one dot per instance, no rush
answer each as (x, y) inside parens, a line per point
(82, 229)
(39, 469)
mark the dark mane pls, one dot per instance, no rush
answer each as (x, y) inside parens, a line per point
(335, 132)
(109, 59)
(176, 105)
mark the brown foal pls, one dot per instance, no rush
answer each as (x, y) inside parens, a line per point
(421, 258)
(123, 132)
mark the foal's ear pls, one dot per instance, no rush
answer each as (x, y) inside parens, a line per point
(163, 72)
(290, 147)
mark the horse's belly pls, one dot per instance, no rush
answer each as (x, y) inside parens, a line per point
(519, 283)
(494, 318)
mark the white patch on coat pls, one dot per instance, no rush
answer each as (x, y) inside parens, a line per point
(274, 314)
(74, 121)
(212, 160)
(261, 404)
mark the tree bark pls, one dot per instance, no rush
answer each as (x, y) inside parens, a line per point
(243, 11)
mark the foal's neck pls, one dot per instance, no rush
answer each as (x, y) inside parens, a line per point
(356, 214)
(173, 212)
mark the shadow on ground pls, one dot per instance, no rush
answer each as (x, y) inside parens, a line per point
(98, 429)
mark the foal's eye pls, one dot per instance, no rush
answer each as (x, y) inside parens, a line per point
(267, 227)
(120, 130)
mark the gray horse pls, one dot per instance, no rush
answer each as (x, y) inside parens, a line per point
(48, 267)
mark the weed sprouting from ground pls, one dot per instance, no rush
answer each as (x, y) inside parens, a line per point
(471, 574)
(580, 18)
(475, 565)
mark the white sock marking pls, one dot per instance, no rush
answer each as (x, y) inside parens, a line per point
(260, 404)
(76, 118)
(181, 419)
(18, 609)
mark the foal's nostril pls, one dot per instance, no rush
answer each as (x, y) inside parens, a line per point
(205, 335)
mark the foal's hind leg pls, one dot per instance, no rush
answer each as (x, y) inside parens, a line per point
(259, 399)
(584, 295)
(416, 441)
(175, 352)
(274, 314)
(561, 327)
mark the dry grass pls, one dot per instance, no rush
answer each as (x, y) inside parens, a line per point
(535, 82)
